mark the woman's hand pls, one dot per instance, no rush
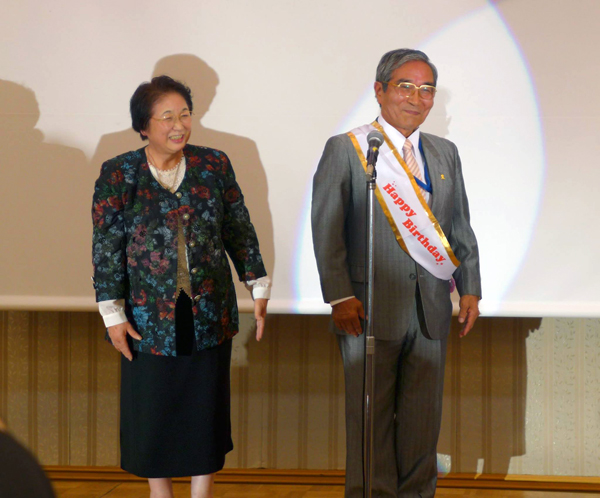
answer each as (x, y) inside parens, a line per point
(260, 313)
(118, 336)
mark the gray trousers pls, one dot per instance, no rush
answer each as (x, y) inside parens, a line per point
(407, 408)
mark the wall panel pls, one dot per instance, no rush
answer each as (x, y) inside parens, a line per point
(522, 395)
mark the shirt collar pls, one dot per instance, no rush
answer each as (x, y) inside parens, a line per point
(396, 137)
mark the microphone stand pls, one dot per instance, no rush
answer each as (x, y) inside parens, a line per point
(369, 380)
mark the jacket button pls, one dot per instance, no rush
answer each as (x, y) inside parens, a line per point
(193, 271)
(412, 276)
(178, 195)
(193, 243)
(186, 216)
(197, 298)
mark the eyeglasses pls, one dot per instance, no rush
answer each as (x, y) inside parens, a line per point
(406, 89)
(167, 121)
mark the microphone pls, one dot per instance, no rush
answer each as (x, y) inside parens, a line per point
(375, 139)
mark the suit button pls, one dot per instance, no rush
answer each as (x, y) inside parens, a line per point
(186, 216)
(412, 276)
(178, 195)
(193, 243)
(197, 298)
(193, 271)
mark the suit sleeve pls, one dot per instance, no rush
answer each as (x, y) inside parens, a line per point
(331, 197)
(237, 232)
(462, 238)
(108, 238)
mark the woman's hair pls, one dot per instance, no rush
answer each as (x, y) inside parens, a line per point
(147, 94)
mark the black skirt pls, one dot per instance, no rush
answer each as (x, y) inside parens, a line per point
(175, 410)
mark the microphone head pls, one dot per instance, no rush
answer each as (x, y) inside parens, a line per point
(375, 138)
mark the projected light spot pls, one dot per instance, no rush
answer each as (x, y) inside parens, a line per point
(487, 106)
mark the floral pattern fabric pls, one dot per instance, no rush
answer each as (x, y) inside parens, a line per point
(135, 241)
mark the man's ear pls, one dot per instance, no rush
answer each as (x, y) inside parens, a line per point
(378, 87)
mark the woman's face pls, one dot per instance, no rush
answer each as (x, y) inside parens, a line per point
(170, 126)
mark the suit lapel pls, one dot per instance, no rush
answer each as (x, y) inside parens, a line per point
(436, 169)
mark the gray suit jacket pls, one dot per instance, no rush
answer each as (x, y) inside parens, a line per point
(338, 225)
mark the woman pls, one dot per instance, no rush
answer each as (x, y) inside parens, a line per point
(165, 218)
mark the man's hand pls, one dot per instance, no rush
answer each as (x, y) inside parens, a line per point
(469, 311)
(260, 313)
(118, 336)
(346, 316)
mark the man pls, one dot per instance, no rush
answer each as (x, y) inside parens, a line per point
(423, 238)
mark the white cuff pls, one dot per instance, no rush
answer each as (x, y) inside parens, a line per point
(261, 293)
(112, 311)
(260, 288)
(338, 301)
(114, 318)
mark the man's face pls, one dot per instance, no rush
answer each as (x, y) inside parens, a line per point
(405, 114)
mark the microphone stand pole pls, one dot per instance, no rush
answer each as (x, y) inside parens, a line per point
(369, 380)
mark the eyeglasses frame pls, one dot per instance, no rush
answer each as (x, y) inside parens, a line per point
(414, 88)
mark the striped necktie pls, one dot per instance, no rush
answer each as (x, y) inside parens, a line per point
(411, 162)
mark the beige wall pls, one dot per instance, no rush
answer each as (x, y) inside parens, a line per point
(521, 395)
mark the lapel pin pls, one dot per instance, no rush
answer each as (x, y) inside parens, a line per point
(443, 178)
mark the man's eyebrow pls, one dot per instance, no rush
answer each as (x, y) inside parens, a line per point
(405, 80)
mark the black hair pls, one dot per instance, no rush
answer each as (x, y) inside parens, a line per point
(148, 93)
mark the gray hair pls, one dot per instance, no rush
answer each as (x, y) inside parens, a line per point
(396, 58)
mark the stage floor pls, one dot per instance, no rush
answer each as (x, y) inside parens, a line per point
(104, 489)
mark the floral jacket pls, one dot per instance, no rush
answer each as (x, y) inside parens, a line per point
(135, 245)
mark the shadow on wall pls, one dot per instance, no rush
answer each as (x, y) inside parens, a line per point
(485, 395)
(242, 151)
(42, 191)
